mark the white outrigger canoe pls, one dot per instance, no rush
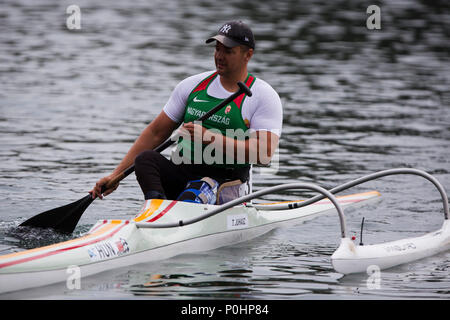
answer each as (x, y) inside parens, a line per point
(111, 244)
(166, 228)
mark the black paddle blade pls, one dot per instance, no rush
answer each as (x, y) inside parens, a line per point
(63, 219)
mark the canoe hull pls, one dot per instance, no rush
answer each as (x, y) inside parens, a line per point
(112, 244)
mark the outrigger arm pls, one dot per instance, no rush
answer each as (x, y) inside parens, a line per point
(351, 258)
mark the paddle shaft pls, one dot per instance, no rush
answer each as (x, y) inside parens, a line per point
(243, 89)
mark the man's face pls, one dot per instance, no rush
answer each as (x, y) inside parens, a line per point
(230, 60)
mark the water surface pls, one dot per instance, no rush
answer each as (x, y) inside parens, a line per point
(355, 101)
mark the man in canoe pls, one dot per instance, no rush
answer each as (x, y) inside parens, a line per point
(219, 137)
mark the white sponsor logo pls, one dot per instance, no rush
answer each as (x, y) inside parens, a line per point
(198, 100)
(225, 28)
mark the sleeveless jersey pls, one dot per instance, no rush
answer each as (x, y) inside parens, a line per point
(229, 117)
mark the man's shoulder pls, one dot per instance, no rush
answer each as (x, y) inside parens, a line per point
(188, 84)
(198, 77)
(263, 87)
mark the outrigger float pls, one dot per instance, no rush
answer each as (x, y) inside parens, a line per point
(166, 228)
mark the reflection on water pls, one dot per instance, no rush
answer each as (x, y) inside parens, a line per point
(355, 101)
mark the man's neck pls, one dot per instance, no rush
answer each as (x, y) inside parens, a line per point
(229, 82)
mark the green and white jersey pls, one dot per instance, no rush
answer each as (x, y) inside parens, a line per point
(196, 95)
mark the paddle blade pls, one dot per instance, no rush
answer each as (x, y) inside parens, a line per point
(63, 219)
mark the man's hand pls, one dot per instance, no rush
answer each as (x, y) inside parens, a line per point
(97, 190)
(198, 133)
(257, 149)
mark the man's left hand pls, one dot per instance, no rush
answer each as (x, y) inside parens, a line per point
(198, 133)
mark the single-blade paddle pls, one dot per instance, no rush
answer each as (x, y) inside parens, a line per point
(64, 219)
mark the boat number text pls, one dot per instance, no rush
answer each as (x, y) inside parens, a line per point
(238, 221)
(403, 247)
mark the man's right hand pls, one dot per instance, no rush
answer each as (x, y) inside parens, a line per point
(97, 190)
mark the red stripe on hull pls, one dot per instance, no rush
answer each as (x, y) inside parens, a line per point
(163, 212)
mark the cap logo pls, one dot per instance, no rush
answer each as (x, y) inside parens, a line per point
(225, 28)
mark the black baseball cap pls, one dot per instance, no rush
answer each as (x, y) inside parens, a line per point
(233, 34)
